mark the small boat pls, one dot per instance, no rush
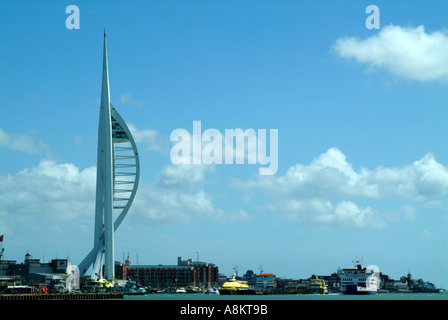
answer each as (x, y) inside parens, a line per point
(130, 288)
(234, 286)
(181, 290)
(211, 291)
(99, 286)
(194, 290)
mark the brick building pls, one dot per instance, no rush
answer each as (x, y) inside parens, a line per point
(185, 273)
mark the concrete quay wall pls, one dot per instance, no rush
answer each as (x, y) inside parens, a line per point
(63, 296)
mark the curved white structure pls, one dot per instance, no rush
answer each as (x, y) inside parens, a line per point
(118, 170)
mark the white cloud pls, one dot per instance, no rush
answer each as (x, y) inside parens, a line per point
(424, 178)
(331, 176)
(411, 53)
(184, 175)
(429, 235)
(235, 215)
(128, 99)
(25, 143)
(178, 195)
(323, 212)
(59, 194)
(307, 193)
(148, 139)
(435, 205)
(347, 213)
(46, 198)
(324, 192)
(155, 205)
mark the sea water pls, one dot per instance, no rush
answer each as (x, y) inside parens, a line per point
(288, 306)
(289, 297)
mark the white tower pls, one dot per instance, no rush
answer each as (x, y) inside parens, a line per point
(118, 170)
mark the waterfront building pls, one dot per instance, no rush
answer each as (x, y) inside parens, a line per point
(396, 286)
(222, 278)
(333, 282)
(262, 281)
(291, 286)
(187, 273)
(249, 277)
(265, 281)
(419, 285)
(206, 273)
(35, 273)
(34, 266)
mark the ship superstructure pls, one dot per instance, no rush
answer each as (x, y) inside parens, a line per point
(359, 280)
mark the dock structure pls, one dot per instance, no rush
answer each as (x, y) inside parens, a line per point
(60, 296)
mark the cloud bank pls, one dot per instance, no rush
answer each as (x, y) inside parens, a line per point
(326, 191)
(60, 194)
(24, 142)
(407, 52)
(148, 139)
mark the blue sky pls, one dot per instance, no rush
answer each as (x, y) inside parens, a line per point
(361, 117)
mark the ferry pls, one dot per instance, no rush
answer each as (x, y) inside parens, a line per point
(358, 280)
(237, 287)
(316, 286)
(98, 286)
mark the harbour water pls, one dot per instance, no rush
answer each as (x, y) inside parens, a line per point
(177, 306)
(290, 297)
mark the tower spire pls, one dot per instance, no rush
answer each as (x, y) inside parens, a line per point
(104, 192)
(118, 170)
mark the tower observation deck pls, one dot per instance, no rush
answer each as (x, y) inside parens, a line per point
(118, 171)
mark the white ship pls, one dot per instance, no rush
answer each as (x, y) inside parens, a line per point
(359, 280)
(130, 288)
(212, 291)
